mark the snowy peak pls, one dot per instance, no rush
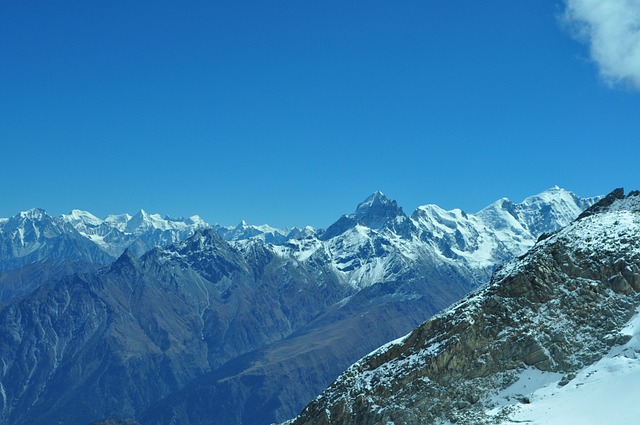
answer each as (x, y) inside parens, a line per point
(374, 200)
(33, 214)
(377, 212)
(79, 216)
(379, 243)
(139, 222)
(501, 230)
(32, 225)
(544, 212)
(118, 221)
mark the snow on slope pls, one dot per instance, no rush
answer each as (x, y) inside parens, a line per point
(28, 230)
(500, 231)
(264, 232)
(605, 392)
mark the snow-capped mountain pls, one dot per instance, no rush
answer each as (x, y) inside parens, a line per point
(34, 235)
(138, 233)
(118, 341)
(558, 325)
(379, 243)
(500, 231)
(376, 243)
(265, 233)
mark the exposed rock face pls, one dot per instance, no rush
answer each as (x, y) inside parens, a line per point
(375, 212)
(557, 309)
(267, 385)
(19, 282)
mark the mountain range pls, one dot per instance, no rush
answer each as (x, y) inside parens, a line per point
(249, 322)
(553, 338)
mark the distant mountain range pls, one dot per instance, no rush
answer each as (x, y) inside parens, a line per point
(386, 241)
(249, 322)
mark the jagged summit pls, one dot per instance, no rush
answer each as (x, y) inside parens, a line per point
(126, 260)
(376, 212)
(34, 214)
(375, 198)
(35, 235)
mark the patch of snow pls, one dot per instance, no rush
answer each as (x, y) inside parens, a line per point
(604, 392)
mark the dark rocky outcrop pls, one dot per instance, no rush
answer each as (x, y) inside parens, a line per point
(375, 212)
(603, 203)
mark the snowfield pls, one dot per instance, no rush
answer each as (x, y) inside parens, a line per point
(605, 392)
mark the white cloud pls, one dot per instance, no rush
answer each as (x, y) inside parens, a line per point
(612, 30)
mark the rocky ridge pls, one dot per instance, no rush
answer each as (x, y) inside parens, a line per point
(554, 311)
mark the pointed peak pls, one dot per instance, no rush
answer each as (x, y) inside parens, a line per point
(375, 212)
(126, 259)
(374, 199)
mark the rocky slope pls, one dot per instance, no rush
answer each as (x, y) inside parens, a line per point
(553, 312)
(113, 343)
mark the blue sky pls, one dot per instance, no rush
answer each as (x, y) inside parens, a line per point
(290, 113)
